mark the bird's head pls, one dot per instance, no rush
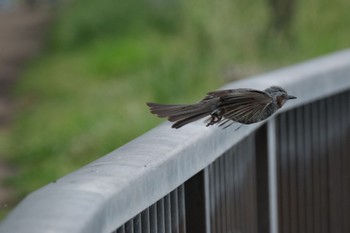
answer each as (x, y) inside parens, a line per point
(279, 95)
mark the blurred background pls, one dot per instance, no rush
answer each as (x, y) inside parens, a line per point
(75, 74)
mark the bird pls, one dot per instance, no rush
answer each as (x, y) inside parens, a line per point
(225, 107)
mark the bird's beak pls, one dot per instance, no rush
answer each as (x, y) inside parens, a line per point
(290, 97)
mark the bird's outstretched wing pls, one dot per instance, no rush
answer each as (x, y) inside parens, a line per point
(241, 105)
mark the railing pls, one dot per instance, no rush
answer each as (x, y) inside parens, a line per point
(288, 174)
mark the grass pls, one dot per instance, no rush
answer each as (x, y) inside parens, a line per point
(85, 96)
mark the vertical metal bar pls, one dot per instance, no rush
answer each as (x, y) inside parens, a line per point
(344, 122)
(272, 176)
(137, 224)
(129, 227)
(234, 206)
(323, 167)
(238, 213)
(334, 172)
(217, 196)
(167, 214)
(211, 173)
(283, 167)
(251, 183)
(316, 154)
(261, 180)
(153, 218)
(222, 189)
(309, 193)
(196, 195)
(160, 216)
(339, 163)
(174, 212)
(347, 160)
(243, 185)
(207, 200)
(301, 171)
(240, 188)
(145, 221)
(121, 229)
(293, 187)
(182, 208)
(339, 172)
(229, 189)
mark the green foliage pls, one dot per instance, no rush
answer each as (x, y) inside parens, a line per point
(86, 95)
(86, 21)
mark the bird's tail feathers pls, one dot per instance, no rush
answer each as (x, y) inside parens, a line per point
(181, 114)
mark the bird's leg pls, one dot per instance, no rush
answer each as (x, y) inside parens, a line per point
(215, 118)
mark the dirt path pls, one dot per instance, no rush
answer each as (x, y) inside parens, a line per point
(21, 37)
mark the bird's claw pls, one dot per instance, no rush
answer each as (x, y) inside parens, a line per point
(214, 119)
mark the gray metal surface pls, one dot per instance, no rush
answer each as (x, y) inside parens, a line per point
(109, 192)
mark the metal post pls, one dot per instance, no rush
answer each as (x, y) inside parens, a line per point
(272, 175)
